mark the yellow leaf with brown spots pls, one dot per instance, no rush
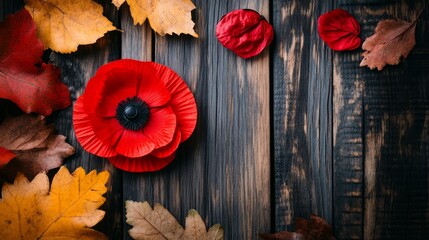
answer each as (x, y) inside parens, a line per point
(29, 210)
(63, 25)
(165, 16)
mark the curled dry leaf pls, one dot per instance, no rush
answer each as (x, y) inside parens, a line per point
(339, 29)
(392, 40)
(314, 229)
(245, 32)
(64, 25)
(65, 210)
(158, 223)
(165, 16)
(35, 145)
(24, 79)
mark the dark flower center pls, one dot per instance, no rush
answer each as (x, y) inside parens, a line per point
(132, 113)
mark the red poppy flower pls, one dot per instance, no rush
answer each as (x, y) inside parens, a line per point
(135, 114)
(339, 29)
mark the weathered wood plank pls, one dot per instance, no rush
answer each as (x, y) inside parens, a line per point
(389, 156)
(302, 88)
(223, 170)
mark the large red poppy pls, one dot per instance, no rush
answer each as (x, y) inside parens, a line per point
(135, 114)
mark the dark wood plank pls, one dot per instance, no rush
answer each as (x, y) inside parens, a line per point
(302, 114)
(381, 134)
(223, 170)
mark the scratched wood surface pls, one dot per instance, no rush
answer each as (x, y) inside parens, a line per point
(350, 144)
(296, 130)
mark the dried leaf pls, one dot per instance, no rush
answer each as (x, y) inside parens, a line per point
(165, 16)
(392, 40)
(314, 229)
(63, 25)
(35, 144)
(24, 79)
(158, 223)
(29, 210)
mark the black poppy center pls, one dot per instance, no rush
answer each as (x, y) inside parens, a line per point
(132, 113)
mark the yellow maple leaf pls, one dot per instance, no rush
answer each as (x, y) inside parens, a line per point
(165, 16)
(158, 223)
(29, 210)
(63, 25)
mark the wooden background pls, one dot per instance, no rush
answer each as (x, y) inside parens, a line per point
(299, 129)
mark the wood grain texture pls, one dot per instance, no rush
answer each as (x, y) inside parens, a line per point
(381, 135)
(348, 144)
(302, 117)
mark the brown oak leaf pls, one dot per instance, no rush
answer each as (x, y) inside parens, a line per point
(392, 41)
(165, 16)
(314, 229)
(34, 143)
(158, 223)
(64, 25)
(65, 210)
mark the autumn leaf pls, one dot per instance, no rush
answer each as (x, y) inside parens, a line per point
(158, 223)
(314, 229)
(392, 41)
(66, 210)
(24, 79)
(35, 145)
(165, 16)
(63, 25)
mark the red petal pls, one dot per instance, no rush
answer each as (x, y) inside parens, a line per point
(107, 129)
(5, 156)
(119, 84)
(161, 126)
(85, 134)
(169, 148)
(340, 30)
(182, 101)
(142, 164)
(24, 79)
(134, 144)
(245, 32)
(151, 89)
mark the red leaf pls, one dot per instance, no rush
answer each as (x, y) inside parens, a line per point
(24, 79)
(5, 156)
(340, 30)
(245, 32)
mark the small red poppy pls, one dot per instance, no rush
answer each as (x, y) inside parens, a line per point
(245, 32)
(135, 114)
(340, 30)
